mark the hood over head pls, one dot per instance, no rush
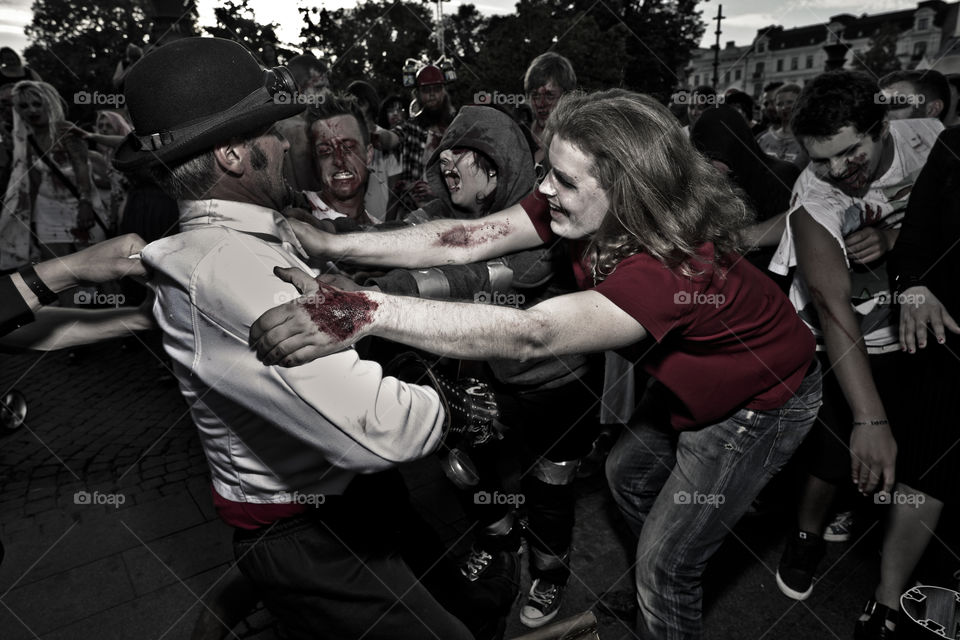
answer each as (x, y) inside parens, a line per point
(495, 134)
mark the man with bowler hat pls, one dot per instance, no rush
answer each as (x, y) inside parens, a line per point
(292, 452)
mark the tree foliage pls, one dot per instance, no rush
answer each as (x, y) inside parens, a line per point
(236, 21)
(370, 41)
(880, 58)
(637, 44)
(75, 46)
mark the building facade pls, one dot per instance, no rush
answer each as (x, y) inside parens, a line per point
(928, 36)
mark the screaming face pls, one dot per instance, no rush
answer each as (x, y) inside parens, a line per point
(465, 179)
(340, 157)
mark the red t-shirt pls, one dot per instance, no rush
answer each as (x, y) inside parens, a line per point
(727, 341)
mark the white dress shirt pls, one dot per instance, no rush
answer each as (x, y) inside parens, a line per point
(269, 431)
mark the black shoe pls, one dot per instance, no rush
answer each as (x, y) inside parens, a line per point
(798, 564)
(877, 622)
(484, 602)
(485, 549)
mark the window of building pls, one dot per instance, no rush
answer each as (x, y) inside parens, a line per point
(696, 80)
(809, 62)
(726, 77)
(922, 24)
(780, 64)
(761, 47)
(919, 48)
(759, 68)
(794, 64)
(736, 74)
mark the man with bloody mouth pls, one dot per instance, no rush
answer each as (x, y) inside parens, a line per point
(341, 149)
(844, 217)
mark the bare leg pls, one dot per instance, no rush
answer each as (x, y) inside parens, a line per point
(909, 529)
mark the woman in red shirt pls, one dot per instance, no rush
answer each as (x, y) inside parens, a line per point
(652, 227)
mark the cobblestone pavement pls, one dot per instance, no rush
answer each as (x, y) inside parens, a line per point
(109, 529)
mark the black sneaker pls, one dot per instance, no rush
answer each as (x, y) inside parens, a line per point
(476, 563)
(877, 622)
(543, 603)
(798, 564)
(484, 551)
(484, 602)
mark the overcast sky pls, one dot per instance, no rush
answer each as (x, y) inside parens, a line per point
(743, 17)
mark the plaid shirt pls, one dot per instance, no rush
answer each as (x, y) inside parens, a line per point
(416, 145)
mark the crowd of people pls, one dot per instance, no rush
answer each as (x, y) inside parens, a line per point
(726, 286)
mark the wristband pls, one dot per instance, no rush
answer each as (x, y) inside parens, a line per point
(904, 283)
(872, 423)
(30, 278)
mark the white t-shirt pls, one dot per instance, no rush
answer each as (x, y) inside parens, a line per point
(840, 214)
(377, 198)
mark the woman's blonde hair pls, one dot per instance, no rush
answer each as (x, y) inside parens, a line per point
(52, 101)
(666, 199)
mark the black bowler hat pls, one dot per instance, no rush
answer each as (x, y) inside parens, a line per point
(189, 95)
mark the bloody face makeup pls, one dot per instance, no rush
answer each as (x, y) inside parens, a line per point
(849, 159)
(340, 157)
(32, 109)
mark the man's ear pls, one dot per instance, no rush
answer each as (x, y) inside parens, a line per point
(369, 154)
(230, 157)
(934, 108)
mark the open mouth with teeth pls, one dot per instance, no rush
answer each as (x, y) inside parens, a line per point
(343, 175)
(452, 177)
(851, 178)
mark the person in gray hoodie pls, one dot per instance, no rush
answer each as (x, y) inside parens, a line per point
(484, 163)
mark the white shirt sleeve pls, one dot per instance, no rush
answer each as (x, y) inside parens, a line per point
(824, 204)
(339, 404)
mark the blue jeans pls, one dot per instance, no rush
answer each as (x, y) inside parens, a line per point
(683, 491)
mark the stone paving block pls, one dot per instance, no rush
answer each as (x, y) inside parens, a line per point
(71, 595)
(96, 535)
(152, 520)
(178, 556)
(170, 613)
(199, 489)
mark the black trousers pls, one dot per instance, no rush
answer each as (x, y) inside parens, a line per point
(340, 571)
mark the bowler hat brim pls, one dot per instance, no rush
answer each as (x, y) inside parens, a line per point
(131, 156)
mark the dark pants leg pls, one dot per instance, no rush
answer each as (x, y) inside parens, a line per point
(338, 572)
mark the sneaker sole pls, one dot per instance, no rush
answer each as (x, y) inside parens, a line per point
(836, 537)
(791, 593)
(533, 623)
